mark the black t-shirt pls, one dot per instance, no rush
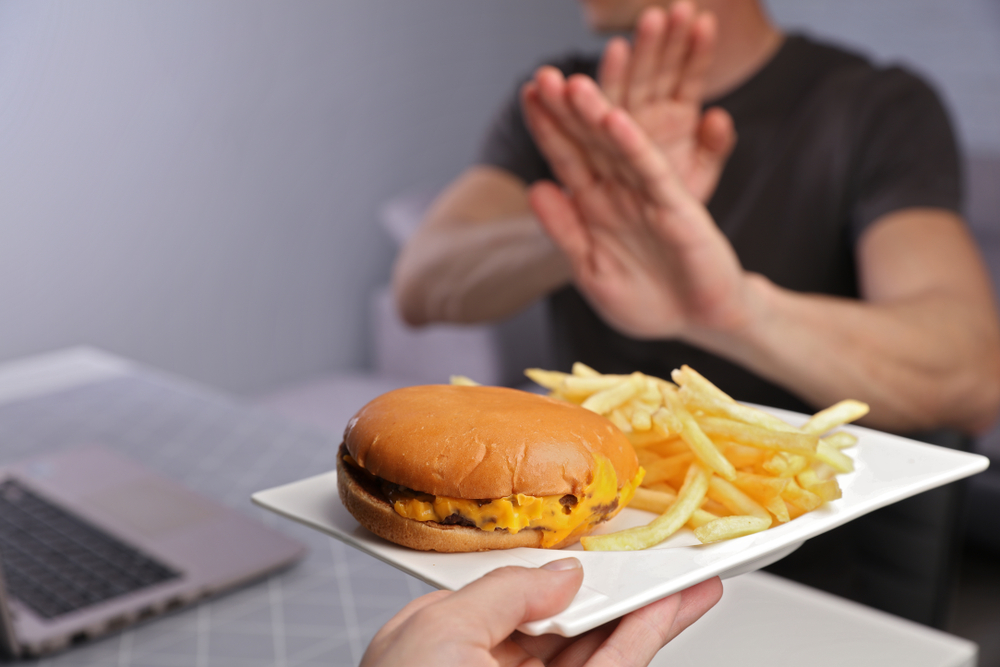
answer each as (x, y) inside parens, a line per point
(827, 143)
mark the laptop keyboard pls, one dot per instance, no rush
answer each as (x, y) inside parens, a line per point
(55, 563)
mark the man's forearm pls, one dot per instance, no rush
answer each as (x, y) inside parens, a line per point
(921, 363)
(477, 272)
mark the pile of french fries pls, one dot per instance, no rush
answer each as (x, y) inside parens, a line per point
(721, 468)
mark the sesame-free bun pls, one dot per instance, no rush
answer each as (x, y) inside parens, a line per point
(484, 442)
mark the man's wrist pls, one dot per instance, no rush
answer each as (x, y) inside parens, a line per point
(744, 336)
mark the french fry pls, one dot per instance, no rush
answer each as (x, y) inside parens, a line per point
(543, 378)
(700, 518)
(779, 509)
(651, 394)
(665, 525)
(729, 527)
(741, 456)
(652, 501)
(670, 447)
(739, 468)
(670, 468)
(756, 436)
(734, 500)
(582, 370)
(766, 491)
(461, 380)
(646, 458)
(666, 422)
(641, 420)
(840, 440)
(661, 486)
(696, 399)
(800, 499)
(618, 418)
(608, 399)
(692, 434)
(826, 489)
(761, 488)
(834, 416)
(715, 507)
(685, 375)
(579, 389)
(834, 458)
(659, 502)
(784, 464)
(643, 439)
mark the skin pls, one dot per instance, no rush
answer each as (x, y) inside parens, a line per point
(481, 255)
(476, 625)
(630, 230)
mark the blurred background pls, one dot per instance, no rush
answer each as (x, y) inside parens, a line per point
(197, 185)
(217, 188)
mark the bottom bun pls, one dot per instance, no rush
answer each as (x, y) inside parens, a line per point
(365, 501)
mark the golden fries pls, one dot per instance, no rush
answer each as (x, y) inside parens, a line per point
(729, 527)
(840, 440)
(667, 470)
(652, 500)
(734, 500)
(740, 469)
(614, 396)
(834, 416)
(697, 393)
(548, 379)
(668, 523)
(584, 371)
(783, 464)
(826, 489)
(696, 439)
(757, 436)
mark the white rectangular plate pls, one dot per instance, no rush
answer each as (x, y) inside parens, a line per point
(888, 469)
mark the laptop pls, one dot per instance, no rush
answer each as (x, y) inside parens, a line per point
(91, 542)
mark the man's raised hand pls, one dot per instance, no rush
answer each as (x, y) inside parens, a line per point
(660, 82)
(645, 252)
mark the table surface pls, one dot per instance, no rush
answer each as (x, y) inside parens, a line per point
(324, 610)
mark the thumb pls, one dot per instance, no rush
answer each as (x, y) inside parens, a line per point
(488, 610)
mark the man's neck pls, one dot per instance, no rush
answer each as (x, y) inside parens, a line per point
(746, 42)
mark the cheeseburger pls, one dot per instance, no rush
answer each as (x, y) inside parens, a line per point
(457, 468)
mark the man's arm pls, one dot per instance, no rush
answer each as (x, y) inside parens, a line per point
(922, 347)
(479, 255)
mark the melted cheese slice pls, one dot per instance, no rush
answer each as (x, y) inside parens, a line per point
(517, 512)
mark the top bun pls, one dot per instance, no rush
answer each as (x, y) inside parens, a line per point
(481, 443)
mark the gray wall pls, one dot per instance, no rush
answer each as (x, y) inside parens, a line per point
(195, 184)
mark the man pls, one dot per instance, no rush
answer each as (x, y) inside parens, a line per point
(830, 262)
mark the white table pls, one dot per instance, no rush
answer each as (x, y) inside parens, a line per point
(768, 621)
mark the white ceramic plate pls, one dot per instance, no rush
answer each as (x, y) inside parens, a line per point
(888, 469)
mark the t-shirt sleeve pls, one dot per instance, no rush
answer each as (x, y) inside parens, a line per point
(908, 154)
(508, 143)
